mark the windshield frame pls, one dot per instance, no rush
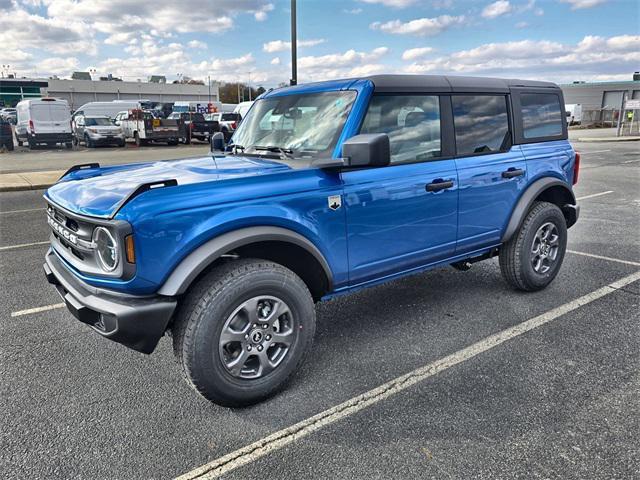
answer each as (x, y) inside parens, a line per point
(282, 150)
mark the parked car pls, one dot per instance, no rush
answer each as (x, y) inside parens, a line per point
(355, 183)
(143, 127)
(44, 121)
(195, 126)
(94, 131)
(6, 135)
(228, 122)
(9, 115)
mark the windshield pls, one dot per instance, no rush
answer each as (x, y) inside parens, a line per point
(303, 124)
(90, 122)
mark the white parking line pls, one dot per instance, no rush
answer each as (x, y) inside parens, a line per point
(594, 195)
(22, 211)
(632, 161)
(282, 438)
(610, 259)
(23, 245)
(28, 311)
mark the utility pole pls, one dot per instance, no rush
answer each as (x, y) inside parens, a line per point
(209, 83)
(249, 86)
(294, 45)
(238, 85)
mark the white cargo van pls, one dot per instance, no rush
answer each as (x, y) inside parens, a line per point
(106, 109)
(44, 121)
(242, 108)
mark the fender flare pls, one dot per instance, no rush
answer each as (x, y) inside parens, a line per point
(193, 264)
(527, 199)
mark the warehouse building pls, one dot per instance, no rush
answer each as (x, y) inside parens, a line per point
(79, 92)
(606, 95)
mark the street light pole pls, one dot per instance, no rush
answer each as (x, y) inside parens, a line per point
(294, 45)
(249, 86)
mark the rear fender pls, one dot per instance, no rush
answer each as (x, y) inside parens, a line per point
(567, 204)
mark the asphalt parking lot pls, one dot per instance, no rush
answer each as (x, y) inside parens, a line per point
(478, 381)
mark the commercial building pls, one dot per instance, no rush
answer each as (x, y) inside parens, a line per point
(603, 95)
(12, 90)
(79, 92)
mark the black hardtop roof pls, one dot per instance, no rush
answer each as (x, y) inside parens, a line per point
(447, 83)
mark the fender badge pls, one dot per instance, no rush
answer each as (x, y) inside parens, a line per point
(335, 202)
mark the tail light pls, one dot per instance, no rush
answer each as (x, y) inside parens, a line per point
(31, 127)
(576, 168)
(191, 126)
(234, 125)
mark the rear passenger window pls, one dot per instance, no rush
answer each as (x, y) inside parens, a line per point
(481, 123)
(412, 123)
(541, 115)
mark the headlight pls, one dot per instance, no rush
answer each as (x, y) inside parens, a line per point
(106, 248)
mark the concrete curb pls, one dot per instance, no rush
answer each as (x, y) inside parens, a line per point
(16, 182)
(608, 139)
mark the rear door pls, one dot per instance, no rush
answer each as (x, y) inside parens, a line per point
(492, 172)
(404, 215)
(51, 117)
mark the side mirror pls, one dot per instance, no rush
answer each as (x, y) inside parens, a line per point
(217, 142)
(367, 150)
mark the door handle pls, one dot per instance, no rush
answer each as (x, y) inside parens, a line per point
(439, 185)
(512, 172)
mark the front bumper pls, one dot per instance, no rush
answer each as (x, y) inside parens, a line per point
(107, 139)
(137, 322)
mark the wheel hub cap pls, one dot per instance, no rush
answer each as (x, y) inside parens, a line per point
(257, 337)
(545, 247)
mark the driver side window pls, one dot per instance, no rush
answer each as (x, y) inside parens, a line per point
(412, 123)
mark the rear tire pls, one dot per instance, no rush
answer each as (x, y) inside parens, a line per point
(532, 258)
(224, 355)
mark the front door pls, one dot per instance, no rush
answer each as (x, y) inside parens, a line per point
(402, 216)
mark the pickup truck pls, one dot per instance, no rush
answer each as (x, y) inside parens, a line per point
(195, 126)
(143, 127)
(228, 122)
(324, 189)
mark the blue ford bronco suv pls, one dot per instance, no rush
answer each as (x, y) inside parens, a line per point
(323, 189)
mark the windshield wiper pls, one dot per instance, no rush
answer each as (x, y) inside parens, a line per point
(285, 153)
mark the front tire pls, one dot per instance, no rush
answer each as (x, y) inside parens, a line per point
(243, 330)
(532, 258)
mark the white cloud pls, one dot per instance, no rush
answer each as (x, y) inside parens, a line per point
(197, 45)
(496, 9)
(353, 11)
(522, 25)
(392, 3)
(577, 4)
(58, 66)
(261, 15)
(275, 61)
(21, 29)
(590, 59)
(420, 26)
(415, 53)
(282, 46)
(346, 64)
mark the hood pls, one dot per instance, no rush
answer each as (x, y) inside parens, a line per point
(100, 192)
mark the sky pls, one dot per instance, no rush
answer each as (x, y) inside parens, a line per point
(248, 40)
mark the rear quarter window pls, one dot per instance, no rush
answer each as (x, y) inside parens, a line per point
(541, 115)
